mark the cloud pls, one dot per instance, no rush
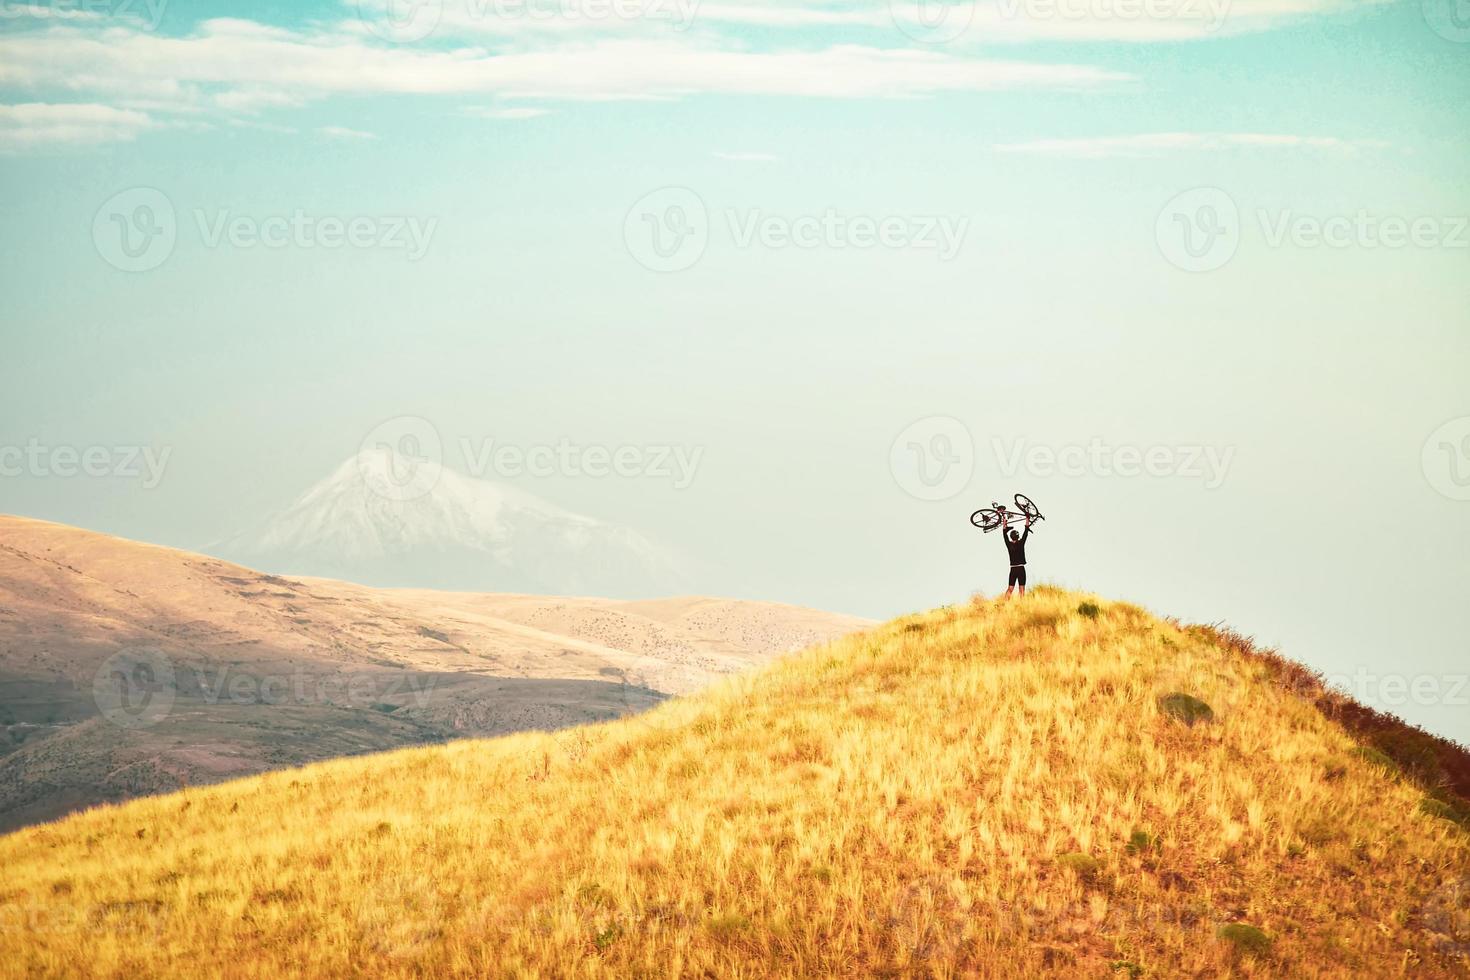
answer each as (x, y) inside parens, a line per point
(228, 69)
(747, 157)
(1158, 144)
(36, 124)
(962, 22)
(241, 66)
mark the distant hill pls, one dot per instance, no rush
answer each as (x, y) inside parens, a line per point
(1058, 785)
(128, 669)
(385, 520)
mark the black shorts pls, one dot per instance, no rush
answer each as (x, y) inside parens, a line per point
(1018, 576)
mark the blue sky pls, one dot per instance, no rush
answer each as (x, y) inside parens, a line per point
(1074, 150)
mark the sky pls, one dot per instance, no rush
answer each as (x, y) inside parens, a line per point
(1189, 273)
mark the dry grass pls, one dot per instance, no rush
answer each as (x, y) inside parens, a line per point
(988, 790)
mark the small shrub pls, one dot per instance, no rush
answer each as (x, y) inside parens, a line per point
(1246, 939)
(1185, 708)
(607, 937)
(1084, 866)
(1141, 842)
(1375, 758)
(1410, 750)
(1089, 610)
(728, 926)
(913, 627)
(1456, 814)
(1133, 970)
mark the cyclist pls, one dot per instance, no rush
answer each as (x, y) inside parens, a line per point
(1016, 545)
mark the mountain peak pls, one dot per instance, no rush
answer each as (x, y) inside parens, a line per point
(389, 518)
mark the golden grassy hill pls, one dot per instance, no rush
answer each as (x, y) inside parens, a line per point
(989, 790)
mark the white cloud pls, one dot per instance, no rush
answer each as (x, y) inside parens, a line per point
(588, 50)
(1157, 144)
(242, 66)
(34, 124)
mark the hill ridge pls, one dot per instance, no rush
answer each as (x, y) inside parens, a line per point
(993, 789)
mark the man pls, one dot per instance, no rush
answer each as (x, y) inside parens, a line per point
(1016, 545)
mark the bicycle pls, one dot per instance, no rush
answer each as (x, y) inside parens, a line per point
(995, 516)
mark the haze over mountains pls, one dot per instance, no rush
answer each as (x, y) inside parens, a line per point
(126, 668)
(386, 519)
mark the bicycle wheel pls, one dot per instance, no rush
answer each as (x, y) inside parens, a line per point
(985, 519)
(1028, 508)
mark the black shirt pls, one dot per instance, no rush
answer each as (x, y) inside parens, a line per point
(1018, 548)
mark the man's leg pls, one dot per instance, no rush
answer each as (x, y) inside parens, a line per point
(1021, 578)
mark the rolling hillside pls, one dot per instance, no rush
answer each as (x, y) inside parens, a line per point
(128, 669)
(1056, 784)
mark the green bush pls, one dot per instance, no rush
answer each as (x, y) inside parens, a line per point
(1141, 841)
(1454, 813)
(1246, 939)
(1089, 610)
(1185, 708)
(1084, 866)
(1376, 758)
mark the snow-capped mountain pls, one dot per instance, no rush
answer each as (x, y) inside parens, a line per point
(386, 520)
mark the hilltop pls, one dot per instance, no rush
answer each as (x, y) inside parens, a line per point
(1059, 784)
(242, 672)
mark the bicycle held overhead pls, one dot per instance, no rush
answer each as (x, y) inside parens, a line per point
(998, 515)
